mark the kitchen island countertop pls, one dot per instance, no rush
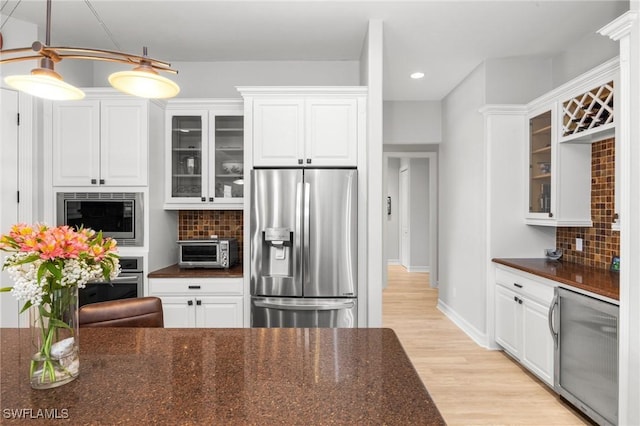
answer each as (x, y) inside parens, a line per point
(225, 376)
(597, 281)
(174, 271)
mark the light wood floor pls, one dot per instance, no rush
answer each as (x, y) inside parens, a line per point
(469, 384)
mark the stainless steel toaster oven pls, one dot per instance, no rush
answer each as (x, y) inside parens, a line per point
(210, 253)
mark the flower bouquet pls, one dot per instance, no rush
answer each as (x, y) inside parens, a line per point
(48, 265)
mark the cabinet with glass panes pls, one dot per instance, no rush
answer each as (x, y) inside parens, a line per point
(205, 160)
(540, 163)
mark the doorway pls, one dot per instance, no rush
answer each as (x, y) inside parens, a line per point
(405, 209)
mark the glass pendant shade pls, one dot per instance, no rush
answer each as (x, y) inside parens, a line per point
(144, 82)
(44, 83)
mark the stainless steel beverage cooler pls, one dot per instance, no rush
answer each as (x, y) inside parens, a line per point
(585, 332)
(304, 248)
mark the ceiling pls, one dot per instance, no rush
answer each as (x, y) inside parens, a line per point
(444, 39)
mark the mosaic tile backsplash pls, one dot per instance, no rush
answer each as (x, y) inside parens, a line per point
(198, 224)
(600, 243)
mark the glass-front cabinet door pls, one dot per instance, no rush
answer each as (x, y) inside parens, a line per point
(228, 177)
(206, 158)
(188, 149)
(540, 170)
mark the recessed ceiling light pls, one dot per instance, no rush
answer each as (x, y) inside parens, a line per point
(417, 75)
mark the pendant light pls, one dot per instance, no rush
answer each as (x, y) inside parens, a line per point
(143, 81)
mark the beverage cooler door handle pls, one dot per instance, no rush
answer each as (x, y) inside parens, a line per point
(305, 233)
(294, 307)
(552, 308)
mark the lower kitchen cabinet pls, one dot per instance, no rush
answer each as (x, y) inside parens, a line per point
(209, 302)
(521, 321)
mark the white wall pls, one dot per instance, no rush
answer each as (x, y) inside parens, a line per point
(588, 51)
(392, 241)
(412, 122)
(462, 202)
(219, 79)
(419, 214)
(15, 34)
(506, 79)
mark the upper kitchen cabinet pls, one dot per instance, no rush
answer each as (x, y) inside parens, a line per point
(562, 125)
(100, 142)
(304, 127)
(205, 161)
(559, 178)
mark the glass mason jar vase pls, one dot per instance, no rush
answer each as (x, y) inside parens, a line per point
(54, 339)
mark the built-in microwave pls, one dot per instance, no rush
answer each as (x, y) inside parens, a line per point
(211, 253)
(119, 215)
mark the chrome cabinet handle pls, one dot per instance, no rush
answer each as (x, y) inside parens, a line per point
(552, 308)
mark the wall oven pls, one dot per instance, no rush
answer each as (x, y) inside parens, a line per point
(585, 332)
(128, 284)
(118, 215)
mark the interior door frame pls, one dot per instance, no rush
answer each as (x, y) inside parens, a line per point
(432, 159)
(27, 166)
(404, 202)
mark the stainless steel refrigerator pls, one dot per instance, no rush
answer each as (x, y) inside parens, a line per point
(304, 248)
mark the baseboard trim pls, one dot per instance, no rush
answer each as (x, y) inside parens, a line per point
(418, 269)
(393, 261)
(475, 335)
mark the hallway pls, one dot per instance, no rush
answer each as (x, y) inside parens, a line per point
(469, 384)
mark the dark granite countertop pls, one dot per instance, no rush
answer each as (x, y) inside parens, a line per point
(226, 376)
(174, 271)
(598, 281)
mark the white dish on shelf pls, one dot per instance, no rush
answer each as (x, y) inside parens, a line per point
(232, 167)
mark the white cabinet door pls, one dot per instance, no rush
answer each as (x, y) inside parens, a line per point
(76, 143)
(178, 312)
(100, 143)
(123, 143)
(508, 327)
(219, 312)
(331, 132)
(537, 345)
(278, 132)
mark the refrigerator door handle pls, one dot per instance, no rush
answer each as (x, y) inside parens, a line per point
(330, 306)
(298, 233)
(305, 235)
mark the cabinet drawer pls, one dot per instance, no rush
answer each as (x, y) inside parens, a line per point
(525, 284)
(197, 286)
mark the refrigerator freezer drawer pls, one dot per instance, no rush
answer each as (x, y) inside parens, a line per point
(312, 313)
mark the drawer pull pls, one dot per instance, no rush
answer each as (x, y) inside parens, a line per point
(194, 287)
(190, 302)
(517, 285)
(199, 302)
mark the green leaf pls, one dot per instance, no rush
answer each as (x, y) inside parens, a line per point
(3, 289)
(28, 259)
(26, 306)
(55, 270)
(57, 323)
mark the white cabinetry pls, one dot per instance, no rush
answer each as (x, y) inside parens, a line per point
(201, 302)
(304, 127)
(205, 155)
(100, 142)
(521, 321)
(562, 125)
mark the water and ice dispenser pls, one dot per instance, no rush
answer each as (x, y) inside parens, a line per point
(278, 268)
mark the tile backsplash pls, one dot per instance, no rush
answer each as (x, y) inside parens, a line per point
(198, 224)
(600, 243)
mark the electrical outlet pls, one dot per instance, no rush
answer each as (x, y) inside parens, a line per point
(578, 244)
